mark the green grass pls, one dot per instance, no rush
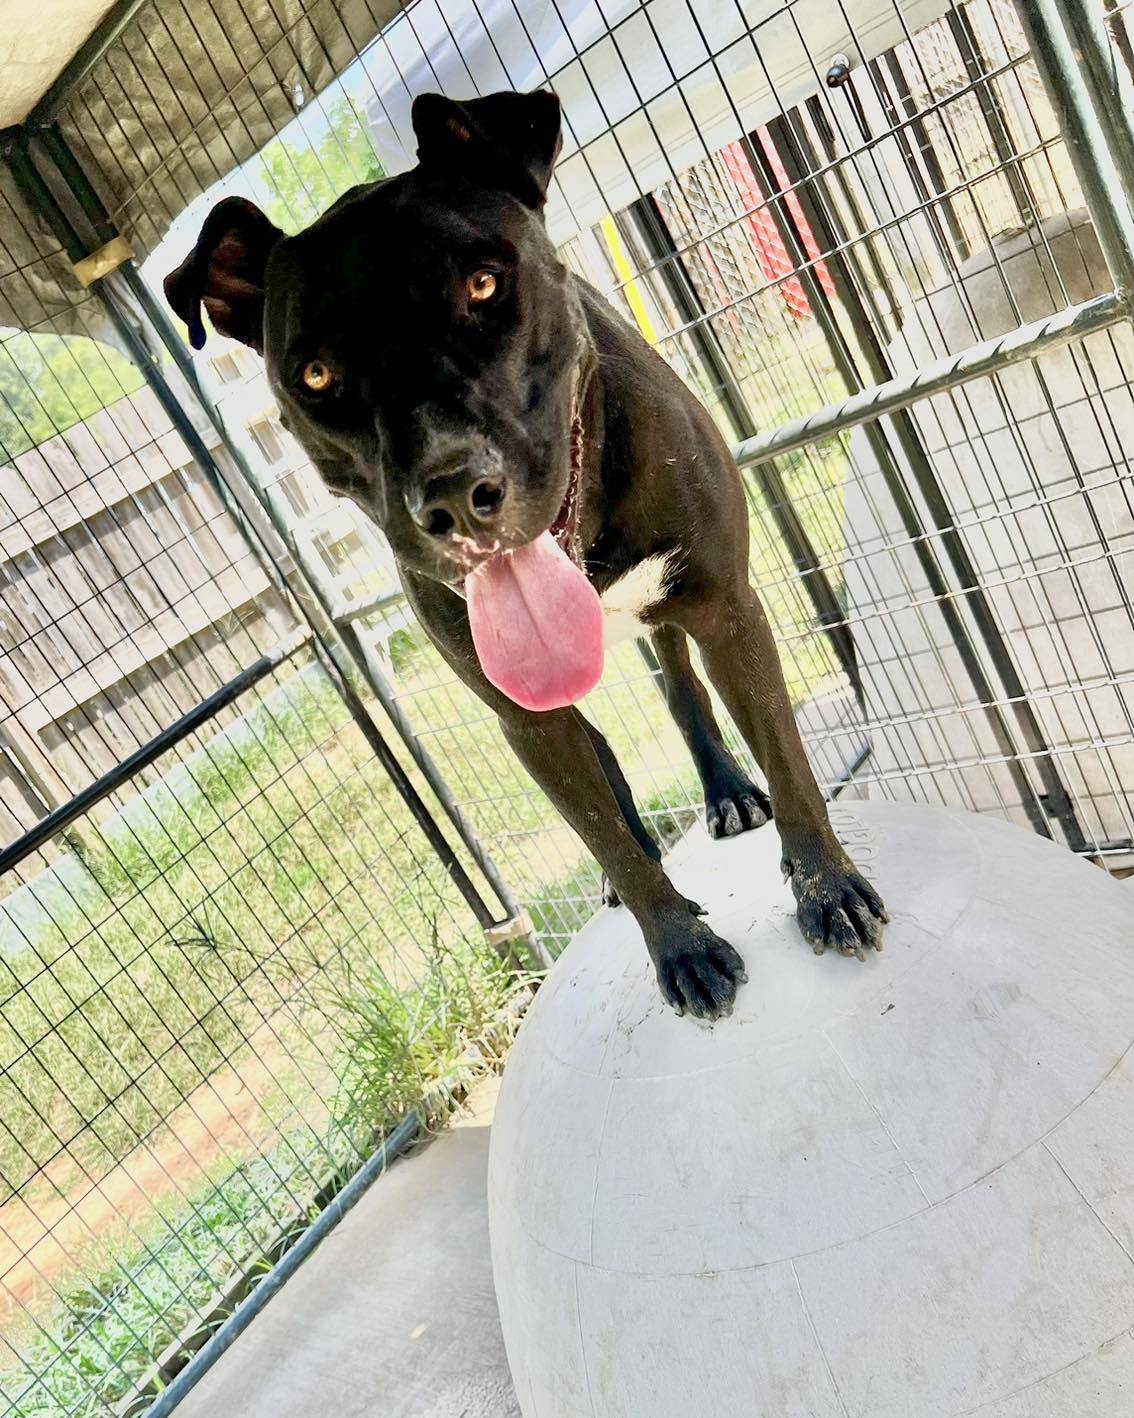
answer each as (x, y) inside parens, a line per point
(104, 1340)
(403, 1048)
(275, 876)
(281, 855)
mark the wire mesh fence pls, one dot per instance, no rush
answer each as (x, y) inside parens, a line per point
(255, 969)
(232, 958)
(794, 203)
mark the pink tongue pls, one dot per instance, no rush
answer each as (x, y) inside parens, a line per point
(537, 625)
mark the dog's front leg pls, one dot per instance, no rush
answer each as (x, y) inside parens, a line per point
(697, 970)
(733, 803)
(837, 906)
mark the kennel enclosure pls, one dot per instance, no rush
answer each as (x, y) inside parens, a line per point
(270, 882)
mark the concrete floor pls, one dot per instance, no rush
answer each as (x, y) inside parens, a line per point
(394, 1316)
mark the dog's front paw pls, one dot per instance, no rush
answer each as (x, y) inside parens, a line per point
(734, 804)
(836, 905)
(697, 970)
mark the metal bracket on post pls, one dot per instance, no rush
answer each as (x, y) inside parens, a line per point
(504, 936)
(103, 262)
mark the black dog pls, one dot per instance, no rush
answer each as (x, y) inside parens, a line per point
(505, 428)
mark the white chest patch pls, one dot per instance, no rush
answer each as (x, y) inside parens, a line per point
(625, 603)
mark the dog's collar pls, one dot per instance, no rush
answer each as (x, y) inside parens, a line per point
(565, 528)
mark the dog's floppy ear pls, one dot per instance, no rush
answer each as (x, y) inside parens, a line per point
(225, 271)
(505, 140)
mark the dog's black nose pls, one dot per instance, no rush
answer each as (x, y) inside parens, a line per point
(464, 502)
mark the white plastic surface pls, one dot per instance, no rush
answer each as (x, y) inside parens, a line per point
(895, 1189)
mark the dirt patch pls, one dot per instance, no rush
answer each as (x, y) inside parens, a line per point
(67, 1226)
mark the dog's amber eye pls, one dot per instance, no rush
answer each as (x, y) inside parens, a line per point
(481, 286)
(317, 376)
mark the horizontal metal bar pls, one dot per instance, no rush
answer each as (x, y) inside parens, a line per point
(347, 612)
(62, 817)
(976, 362)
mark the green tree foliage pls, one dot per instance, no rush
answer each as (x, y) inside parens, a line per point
(301, 175)
(50, 382)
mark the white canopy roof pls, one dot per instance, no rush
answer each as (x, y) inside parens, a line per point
(648, 89)
(38, 39)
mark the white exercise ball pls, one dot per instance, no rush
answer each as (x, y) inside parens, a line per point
(886, 1190)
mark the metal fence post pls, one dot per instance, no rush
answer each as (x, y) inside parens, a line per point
(1071, 50)
(800, 165)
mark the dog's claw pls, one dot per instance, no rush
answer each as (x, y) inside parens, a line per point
(610, 897)
(837, 907)
(699, 973)
(733, 805)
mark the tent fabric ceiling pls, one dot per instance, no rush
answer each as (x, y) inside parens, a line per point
(37, 41)
(193, 88)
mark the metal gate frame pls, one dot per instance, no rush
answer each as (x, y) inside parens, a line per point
(57, 190)
(1070, 42)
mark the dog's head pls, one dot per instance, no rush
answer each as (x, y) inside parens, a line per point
(422, 337)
